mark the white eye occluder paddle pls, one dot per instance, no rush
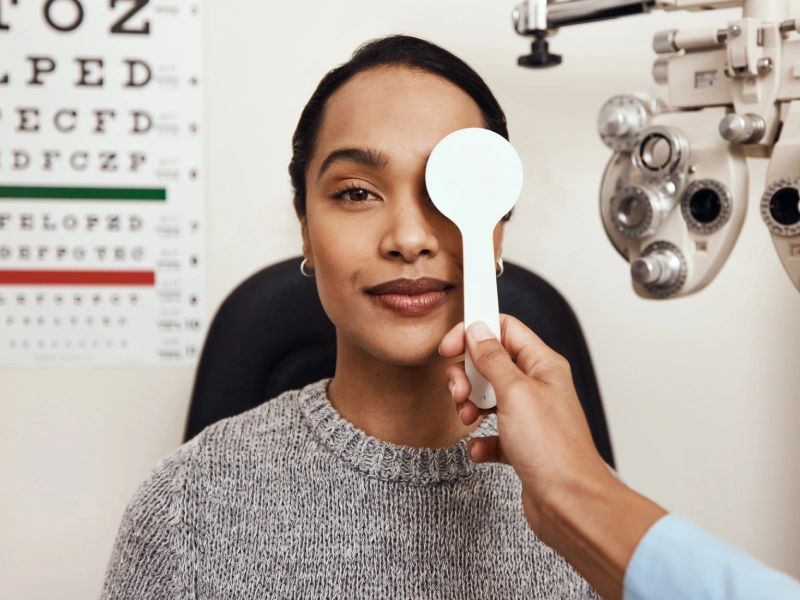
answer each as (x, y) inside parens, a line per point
(474, 177)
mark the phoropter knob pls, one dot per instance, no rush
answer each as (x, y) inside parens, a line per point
(661, 269)
(742, 129)
(620, 122)
(540, 56)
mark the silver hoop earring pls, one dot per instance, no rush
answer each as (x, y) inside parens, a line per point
(303, 269)
(500, 268)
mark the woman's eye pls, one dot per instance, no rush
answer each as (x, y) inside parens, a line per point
(356, 195)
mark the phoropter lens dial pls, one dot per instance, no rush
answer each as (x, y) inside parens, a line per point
(780, 207)
(706, 205)
(635, 212)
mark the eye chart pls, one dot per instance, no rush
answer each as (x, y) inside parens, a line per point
(101, 182)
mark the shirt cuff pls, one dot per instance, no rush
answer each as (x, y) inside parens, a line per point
(675, 559)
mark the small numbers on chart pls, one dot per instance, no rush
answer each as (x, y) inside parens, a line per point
(71, 330)
(60, 299)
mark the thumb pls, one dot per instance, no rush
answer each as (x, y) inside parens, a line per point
(490, 357)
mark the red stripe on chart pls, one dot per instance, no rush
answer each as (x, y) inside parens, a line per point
(77, 278)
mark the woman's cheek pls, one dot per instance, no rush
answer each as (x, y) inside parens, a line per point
(339, 261)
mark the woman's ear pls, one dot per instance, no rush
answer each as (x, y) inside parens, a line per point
(307, 253)
(498, 239)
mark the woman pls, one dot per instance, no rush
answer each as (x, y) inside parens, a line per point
(359, 486)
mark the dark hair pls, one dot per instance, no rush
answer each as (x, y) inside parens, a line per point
(394, 50)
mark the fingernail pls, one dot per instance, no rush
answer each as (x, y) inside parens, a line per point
(451, 387)
(480, 331)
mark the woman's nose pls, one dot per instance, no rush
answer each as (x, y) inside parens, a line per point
(409, 233)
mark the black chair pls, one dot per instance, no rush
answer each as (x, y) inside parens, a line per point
(272, 335)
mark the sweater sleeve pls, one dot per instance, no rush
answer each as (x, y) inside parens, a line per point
(146, 563)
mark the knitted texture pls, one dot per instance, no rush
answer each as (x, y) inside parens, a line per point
(289, 500)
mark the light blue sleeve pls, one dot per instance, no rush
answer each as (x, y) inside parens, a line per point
(676, 560)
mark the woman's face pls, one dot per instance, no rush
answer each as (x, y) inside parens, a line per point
(387, 262)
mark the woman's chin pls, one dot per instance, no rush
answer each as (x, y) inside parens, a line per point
(411, 345)
(407, 354)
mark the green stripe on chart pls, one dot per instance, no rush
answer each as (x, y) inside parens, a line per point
(82, 193)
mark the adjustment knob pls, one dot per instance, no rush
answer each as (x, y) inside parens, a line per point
(661, 269)
(742, 129)
(540, 56)
(614, 121)
(636, 212)
(620, 122)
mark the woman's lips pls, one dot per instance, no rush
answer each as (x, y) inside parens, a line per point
(420, 304)
(411, 297)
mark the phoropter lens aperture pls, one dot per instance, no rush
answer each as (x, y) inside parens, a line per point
(784, 206)
(655, 152)
(632, 211)
(705, 205)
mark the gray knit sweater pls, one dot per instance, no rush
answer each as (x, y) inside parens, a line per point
(289, 500)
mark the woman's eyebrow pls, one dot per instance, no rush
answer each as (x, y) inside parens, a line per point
(363, 156)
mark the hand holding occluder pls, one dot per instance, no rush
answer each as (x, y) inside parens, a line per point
(570, 497)
(543, 432)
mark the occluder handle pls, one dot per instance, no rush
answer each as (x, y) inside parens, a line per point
(480, 304)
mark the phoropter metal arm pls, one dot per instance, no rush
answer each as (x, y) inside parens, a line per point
(538, 15)
(536, 18)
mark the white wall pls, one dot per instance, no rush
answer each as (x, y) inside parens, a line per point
(701, 393)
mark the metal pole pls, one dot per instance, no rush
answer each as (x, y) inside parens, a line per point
(766, 10)
(561, 14)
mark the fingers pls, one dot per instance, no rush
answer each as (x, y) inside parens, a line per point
(491, 359)
(458, 383)
(469, 413)
(486, 450)
(524, 346)
(496, 361)
(460, 389)
(453, 342)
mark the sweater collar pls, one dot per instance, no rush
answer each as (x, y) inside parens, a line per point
(382, 460)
